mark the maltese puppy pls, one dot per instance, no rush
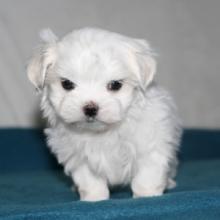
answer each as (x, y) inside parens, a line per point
(110, 124)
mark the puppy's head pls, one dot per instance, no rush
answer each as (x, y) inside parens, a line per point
(90, 77)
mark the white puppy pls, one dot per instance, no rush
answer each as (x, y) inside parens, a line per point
(109, 122)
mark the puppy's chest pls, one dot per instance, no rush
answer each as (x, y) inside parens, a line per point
(112, 158)
(109, 156)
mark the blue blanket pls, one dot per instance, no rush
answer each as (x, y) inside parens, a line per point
(33, 186)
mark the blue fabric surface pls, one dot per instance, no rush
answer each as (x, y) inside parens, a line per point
(32, 186)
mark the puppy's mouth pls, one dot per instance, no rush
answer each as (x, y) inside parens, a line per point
(91, 124)
(91, 119)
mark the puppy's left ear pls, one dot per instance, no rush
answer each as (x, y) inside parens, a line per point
(144, 63)
(42, 59)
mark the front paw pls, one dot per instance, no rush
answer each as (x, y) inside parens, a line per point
(147, 193)
(93, 196)
(140, 190)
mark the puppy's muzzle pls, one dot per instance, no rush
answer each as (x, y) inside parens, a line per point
(91, 109)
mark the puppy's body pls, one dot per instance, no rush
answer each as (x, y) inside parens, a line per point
(134, 137)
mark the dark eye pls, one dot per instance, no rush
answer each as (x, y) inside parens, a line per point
(114, 85)
(67, 84)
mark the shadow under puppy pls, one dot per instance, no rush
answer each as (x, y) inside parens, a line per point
(109, 122)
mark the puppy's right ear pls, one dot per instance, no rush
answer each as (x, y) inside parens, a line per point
(42, 59)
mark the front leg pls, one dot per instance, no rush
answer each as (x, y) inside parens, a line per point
(90, 186)
(151, 177)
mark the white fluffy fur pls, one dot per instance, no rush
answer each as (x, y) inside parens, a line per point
(135, 136)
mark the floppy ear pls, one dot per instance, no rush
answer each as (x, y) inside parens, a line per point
(42, 59)
(144, 63)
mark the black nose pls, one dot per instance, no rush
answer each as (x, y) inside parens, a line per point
(91, 109)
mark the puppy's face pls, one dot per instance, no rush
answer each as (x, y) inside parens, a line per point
(89, 87)
(89, 82)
